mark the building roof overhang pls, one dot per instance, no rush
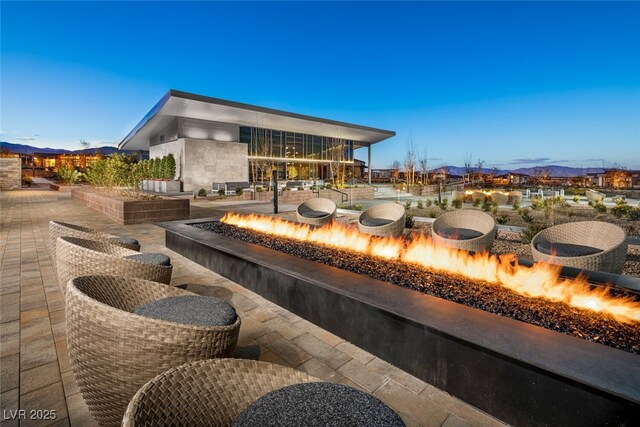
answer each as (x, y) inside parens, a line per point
(182, 104)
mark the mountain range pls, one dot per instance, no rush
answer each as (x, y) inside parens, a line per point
(550, 170)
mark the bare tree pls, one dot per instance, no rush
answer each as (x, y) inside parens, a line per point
(479, 172)
(263, 164)
(423, 162)
(410, 161)
(395, 169)
(336, 156)
(468, 166)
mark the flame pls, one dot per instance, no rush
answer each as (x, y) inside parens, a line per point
(540, 281)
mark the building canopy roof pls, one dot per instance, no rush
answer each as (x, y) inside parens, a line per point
(182, 104)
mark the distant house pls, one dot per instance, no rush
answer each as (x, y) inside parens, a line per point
(614, 178)
(383, 175)
(511, 178)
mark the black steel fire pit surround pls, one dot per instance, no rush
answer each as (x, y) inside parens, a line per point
(522, 374)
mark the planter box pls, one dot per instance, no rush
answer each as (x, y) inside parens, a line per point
(133, 211)
(520, 373)
(58, 187)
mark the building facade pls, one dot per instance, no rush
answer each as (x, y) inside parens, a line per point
(215, 140)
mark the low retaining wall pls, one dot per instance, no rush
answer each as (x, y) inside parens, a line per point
(296, 197)
(58, 187)
(133, 211)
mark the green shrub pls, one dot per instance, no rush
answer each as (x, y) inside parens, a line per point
(634, 214)
(456, 203)
(524, 214)
(328, 186)
(203, 193)
(620, 201)
(221, 192)
(533, 229)
(428, 203)
(286, 189)
(68, 175)
(576, 199)
(357, 207)
(477, 201)
(259, 189)
(599, 207)
(433, 214)
(239, 191)
(486, 205)
(300, 188)
(444, 204)
(516, 205)
(341, 206)
(26, 180)
(419, 204)
(408, 221)
(537, 204)
(407, 205)
(494, 207)
(621, 210)
(502, 219)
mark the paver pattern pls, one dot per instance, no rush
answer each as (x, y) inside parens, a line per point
(34, 364)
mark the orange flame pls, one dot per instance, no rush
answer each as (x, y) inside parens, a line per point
(540, 281)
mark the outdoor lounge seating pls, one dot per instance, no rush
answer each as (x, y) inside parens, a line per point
(232, 187)
(318, 211)
(295, 184)
(58, 229)
(465, 229)
(458, 195)
(114, 351)
(588, 245)
(478, 195)
(386, 219)
(500, 198)
(79, 257)
(514, 196)
(594, 196)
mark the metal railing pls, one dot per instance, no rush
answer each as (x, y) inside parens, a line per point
(359, 181)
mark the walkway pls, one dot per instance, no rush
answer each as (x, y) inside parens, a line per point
(34, 364)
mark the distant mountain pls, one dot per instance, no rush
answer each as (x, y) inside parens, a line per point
(29, 149)
(551, 170)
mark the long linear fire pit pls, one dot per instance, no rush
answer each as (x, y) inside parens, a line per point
(520, 373)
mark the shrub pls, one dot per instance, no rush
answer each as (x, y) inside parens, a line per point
(634, 214)
(533, 229)
(524, 214)
(408, 221)
(419, 204)
(428, 203)
(456, 203)
(537, 204)
(300, 188)
(357, 207)
(286, 189)
(477, 201)
(599, 207)
(239, 191)
(432, 214)
(516, 205)
(620, 201)
(407, 205)
(328, 186)
(221, 192)
(203, 193)
(502, 219)
(486, 205)
(26, 180)
(576, 199)
(68, 175)
(621, 210)
(259, 189)
(341, 206)
(494, 207)
(444, 204)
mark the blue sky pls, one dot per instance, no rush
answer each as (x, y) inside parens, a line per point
(514, 84)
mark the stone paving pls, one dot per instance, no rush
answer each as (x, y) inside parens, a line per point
(34, 364)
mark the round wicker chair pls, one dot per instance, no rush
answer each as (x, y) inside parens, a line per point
(207, 393)
(513, 196)
(458, 195)
(609, 238)
(59, 229)
(79, 257)
(386, 219)
(594, 196)
(478, 195)
(114, 352)
(465, 219)
(500, 198)
(317, 211)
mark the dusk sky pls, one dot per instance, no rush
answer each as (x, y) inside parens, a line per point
(514, 84)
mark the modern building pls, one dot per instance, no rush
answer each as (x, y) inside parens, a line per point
(215, 140)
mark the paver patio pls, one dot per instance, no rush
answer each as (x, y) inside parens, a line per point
(34, 365)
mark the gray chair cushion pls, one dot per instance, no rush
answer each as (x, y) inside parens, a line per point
(190, 309)
(318, 404)
(459, 233)
(566, 249)
(375, 222)
(151, 258)
(314, 214)
(129, 240)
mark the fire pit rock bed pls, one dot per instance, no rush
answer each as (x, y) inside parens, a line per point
(489, 297)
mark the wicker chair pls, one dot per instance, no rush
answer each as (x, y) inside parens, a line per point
(500, 198)
(386, 219)
(59, 229)
(478, 195)
(514, 196)
(207, 393)
(458, 195)
(465, 219)
(114, 352)
(79, 257)
(317, 211)
(609, 238)
(594, 196)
